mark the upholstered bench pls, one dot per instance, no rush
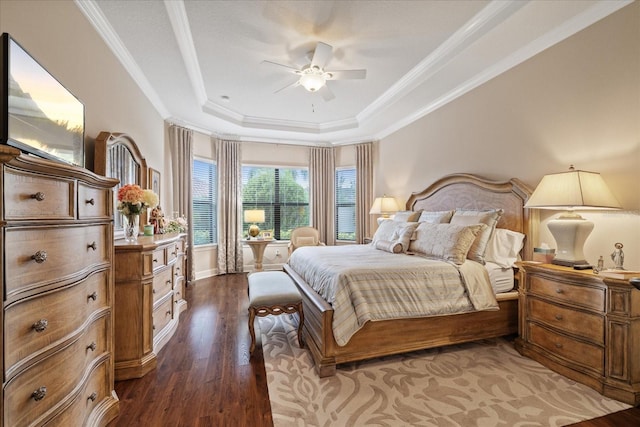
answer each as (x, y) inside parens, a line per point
(273, 292)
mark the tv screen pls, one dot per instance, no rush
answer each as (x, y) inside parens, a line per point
(38, 114)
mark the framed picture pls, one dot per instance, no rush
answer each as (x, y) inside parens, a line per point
(266, 235)
(154, 182)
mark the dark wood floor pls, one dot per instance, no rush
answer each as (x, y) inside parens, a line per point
(205, 376)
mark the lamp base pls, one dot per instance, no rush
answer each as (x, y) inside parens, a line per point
(254, 230)
(570, 232)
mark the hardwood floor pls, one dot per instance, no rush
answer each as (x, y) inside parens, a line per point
(205, 376)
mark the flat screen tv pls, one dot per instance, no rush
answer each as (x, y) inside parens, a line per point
(38, 115)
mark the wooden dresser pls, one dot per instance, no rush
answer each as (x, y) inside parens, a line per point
(149, 295)
(57, 320)
(583, 326)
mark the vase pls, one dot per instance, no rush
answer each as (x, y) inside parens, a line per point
(131, 227)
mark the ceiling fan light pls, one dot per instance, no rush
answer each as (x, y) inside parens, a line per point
(312, 82)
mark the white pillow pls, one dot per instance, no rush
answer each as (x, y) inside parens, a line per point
(437, 217)
(395, 231)
(406, 216)
(504, 247)
(392, 247)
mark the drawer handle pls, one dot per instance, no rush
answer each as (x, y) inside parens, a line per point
(92, 346)
(92, 246)
(93, 296)
(155, 260)
(39, 394)
(90, 202)
(174, 253)
(559, 291)
(39, 257)
(40, 325)
(558, 316)
(93, 396)
(39, 196)
(168, 282)
(558, 345)
(168, 313)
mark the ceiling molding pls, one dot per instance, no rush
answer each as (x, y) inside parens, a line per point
(95, 16)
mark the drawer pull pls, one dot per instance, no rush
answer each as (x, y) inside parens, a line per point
(39, 196)
(168, 282)
(93, 296)
(92, 246)
(558, 316)
(93, 396)
(90, 202)
(40, 325)
(168, 313)
(155, 260)
(39, 257)
(559, 291)
(174, 253)
(558, 345)
(39, 394)
(92, 346)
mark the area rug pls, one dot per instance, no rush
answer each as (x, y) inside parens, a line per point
(483, 384)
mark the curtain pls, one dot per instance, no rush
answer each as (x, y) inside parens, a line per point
(364, 190)
(229, 159)
(181, 148)
(321, 200)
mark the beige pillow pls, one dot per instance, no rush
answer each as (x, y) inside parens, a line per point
(395, 231)
(490, 218)
(437, 217)
(444, 241)
(406, 216)
(385, 245)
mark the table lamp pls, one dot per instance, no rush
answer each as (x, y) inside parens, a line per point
(571, 191)
(384, 206)
(253, 216)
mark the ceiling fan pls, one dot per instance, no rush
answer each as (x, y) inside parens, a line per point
(313, 76)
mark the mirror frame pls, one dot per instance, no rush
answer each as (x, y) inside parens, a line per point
(105, 142)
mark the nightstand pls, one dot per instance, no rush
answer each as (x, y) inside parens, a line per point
(583, 326)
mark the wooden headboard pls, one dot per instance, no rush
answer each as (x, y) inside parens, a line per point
(466, 191)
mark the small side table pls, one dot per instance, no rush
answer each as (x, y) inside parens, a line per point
(257, 247)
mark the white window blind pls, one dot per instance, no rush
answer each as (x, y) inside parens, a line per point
(283, 193)
(205, 210)
(346, 204)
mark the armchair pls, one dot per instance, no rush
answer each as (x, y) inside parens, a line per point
(304, 236)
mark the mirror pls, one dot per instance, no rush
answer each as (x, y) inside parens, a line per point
(117, 156)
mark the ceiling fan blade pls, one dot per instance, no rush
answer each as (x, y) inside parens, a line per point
(289, 68)
(347, 74)
(294, 84)
(321, 55)
(326, 93)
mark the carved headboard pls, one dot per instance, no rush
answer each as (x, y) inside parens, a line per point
(466, 191)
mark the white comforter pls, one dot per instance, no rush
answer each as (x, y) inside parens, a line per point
(363, 283)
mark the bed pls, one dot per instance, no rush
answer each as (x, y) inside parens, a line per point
(384, 337)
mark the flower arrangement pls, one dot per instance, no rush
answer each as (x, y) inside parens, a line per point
(132, 199)
(176, 225)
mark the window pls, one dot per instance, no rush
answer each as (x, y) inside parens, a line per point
(346, 204)
(205, 210)
(283, 193)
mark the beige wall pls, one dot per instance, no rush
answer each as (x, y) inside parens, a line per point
(575, 103)
(60, 38)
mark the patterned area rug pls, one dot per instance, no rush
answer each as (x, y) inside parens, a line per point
(478, 384)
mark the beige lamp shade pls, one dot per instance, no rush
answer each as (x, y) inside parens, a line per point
(254, 215)
(572, 190)
(384, 206)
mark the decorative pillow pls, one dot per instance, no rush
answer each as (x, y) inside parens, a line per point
(385, 245)
(406, 216)
(490, 218)
(504, 247)
(445, 241)
(438, 217)
(395, 231)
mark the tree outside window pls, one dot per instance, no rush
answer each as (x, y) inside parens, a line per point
(346, 204)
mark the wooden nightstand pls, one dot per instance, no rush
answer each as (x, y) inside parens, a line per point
(583, 326)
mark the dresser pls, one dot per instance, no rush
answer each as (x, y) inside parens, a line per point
(57, 320)
(583, 326)
(149, 296)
